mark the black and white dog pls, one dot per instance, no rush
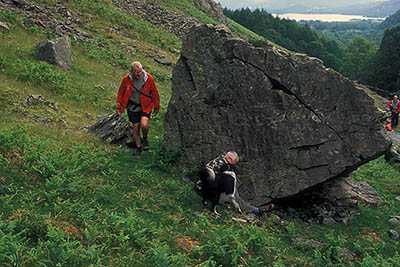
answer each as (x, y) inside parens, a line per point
(218, 188)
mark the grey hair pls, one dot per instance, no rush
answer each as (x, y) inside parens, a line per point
(233, 155)
(136, 64)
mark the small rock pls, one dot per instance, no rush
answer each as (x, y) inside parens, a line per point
(398, 198)
(4, 26)
(19, 2)
(395, 220)
(162, 61)
(393, 234)
(345, 221)
(311, 242)
(328, 220)
(348, 253)
(131, 49)
(291, 210)
(174, 50)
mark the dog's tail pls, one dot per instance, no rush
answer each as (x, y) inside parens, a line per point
(206, 175)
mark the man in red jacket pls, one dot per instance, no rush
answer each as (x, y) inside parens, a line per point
(138, 95)
(394, 107)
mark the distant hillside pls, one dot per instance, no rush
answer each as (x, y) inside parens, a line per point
(391, 21)
(289, 34)
(381, 10)
(377, 9)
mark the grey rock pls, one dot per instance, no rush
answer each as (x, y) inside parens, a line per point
(210, 6)
(327, 220)
(56, 52)
(4, 26)
(31, 100)
(393, 234)
(162, 61)
(348, 254)
(395, 220)
(309, 242)
(113, 129)
(294, 122)
(303, 242)
(19, 2)
(345, 191)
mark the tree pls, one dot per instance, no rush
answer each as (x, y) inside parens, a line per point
(358, 58)
(386, 68)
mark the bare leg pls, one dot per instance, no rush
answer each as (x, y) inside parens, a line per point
(144, 123)
(136, 134)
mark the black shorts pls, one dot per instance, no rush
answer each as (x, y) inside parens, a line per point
(135, 117)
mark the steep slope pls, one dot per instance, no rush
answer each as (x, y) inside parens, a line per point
(68, 199)
(391, 21)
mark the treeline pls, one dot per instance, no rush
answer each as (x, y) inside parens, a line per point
(289, 34)
(346, 31)
(360, 59)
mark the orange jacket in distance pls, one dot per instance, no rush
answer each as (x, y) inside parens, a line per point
(149, 88)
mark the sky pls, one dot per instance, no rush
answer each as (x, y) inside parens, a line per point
(276, 4)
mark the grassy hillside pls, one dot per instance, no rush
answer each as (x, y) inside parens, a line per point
(67, 199)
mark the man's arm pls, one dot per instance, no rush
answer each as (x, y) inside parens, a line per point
(155, 97)
(120, 96)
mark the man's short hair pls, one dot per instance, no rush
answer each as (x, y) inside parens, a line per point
(135, 64)
(233, 155)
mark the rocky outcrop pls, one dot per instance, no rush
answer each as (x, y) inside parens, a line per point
(294, 122)
(44, 17)
(56, 52)
(173, 22)
(211, 7)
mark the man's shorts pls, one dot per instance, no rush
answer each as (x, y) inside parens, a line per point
(135, 117)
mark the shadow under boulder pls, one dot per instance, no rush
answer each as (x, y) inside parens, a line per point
(334, 201)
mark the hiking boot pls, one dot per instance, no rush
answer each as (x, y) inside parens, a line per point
(137, 151)
(131, 144)
(145, 144)
(266, 208)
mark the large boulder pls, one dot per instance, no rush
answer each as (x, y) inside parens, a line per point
(294, 122)
(57, 51)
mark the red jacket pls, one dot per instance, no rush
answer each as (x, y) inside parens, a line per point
(389, 103)
(149, 88)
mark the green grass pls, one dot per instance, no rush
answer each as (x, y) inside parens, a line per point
(67, 198)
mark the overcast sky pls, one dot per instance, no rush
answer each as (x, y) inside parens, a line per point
(274, 4)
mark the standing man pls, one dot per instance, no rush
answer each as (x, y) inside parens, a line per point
(138, 94)
(394, 107)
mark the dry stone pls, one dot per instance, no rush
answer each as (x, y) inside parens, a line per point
(294, 122)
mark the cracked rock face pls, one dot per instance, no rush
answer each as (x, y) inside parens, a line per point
(293, 122)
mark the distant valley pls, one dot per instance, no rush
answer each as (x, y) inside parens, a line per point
(375, 9)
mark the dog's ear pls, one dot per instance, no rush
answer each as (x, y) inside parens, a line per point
(206, 174)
